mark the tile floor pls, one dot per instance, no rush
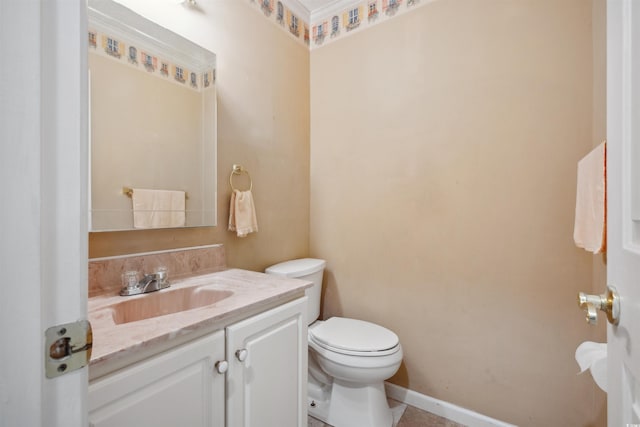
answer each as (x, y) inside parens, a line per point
(405, 416)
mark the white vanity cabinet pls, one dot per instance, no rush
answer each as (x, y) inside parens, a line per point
(267, 378)
(264, 385)
(179, 387)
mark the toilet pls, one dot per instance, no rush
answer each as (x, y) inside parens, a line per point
(349, 359)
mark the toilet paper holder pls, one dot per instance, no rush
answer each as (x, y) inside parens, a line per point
(609, 303)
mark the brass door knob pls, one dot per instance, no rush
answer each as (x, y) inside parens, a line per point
(609, 303)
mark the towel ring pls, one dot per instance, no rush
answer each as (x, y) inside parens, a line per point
(239, 170)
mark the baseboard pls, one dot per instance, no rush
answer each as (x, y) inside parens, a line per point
(441, 408)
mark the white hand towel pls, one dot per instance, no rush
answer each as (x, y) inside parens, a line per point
(589, 231)
(158, 208)
(242, 213)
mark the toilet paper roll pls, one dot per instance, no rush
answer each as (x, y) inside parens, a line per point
(593, 356)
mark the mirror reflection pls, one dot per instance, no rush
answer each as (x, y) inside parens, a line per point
(153, 129)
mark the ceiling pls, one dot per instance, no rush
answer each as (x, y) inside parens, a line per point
(318, 8)
(312, 5)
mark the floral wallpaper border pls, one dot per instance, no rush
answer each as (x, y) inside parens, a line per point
(128, 53)
(352, 18)
(278, 11)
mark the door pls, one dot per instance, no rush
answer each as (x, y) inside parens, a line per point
(623, 204)
(180, 387)
(267, 377)
(43, 232)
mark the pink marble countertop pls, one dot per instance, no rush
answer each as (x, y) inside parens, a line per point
(117, 345)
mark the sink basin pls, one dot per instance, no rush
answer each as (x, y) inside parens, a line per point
(165, 302)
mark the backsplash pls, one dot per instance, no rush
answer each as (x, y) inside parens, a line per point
(105, 274)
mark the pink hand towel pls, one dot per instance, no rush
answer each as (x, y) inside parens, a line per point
(242, 213)
(590, 227)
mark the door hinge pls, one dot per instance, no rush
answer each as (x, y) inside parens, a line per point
(67, 347)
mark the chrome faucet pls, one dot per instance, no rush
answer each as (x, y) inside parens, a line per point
(149, 283)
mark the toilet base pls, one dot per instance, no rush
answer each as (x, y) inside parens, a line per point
(343, 404)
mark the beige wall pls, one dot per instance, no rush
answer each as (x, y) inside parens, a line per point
(263, 124)
(443, 169)
(599, 131)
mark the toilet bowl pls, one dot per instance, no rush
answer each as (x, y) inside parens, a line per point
(354, 393)
(349, 359)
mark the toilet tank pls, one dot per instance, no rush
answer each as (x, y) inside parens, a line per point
(310, 269)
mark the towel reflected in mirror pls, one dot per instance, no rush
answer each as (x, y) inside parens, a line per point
(158, 208)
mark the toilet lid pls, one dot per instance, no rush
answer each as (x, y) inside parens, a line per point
(353, 335)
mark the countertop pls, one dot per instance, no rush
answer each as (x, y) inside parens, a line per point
(118, 345)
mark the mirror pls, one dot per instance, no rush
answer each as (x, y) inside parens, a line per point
(152, 124)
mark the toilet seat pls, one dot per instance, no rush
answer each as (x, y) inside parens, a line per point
(354, 337)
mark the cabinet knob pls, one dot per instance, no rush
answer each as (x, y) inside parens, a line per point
(222, 366)
(242, 354)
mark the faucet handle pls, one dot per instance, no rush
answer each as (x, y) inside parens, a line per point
(161, 274)
(130, 283)
(130, 279)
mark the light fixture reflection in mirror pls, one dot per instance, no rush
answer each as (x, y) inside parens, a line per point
(153, 118)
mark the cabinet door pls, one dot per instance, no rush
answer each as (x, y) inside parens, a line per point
(180, 387)
(267, 379)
